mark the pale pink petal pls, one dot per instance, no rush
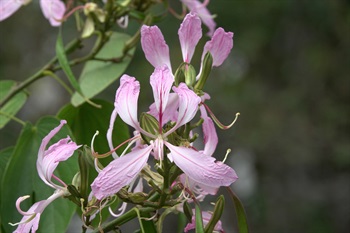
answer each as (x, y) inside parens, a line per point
(53, 10)
(170, 112)
(190, 33)
(219, 46)
(161, 81)
(119, 173)
(196, 187)
(8, 7)
(188, 105)
(36, 209)
(126, 100)
(198, 7)
(209, 133)
(48, 159)
(154, 46)
(201, 168)
(206, 216)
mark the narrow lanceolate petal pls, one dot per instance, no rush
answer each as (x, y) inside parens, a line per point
(188, 104)
(161, 81)
(201, 168)
(53, 10)
(31, 218)
(126, 100)
(48, 159)
(119, 173)
(154, 46)
(8, 7)
(202, 11)
(190, 33)
(209, 133)
(219, 46)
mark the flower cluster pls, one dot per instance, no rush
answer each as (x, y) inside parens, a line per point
(166, 132)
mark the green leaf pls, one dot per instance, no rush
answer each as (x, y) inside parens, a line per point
(98, 75)
(62, 59)
(13, 105)
(21, 178)
(199, 219)
(240, 212)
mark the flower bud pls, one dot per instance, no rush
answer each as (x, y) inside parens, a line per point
(150, 124)
(218, 209)
(185, 73)
(206, 69)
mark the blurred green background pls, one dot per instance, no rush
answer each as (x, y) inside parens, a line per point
(288, 76)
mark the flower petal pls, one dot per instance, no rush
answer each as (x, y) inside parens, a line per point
(161, 81)
(9, 7)
(209, 133)
(188, 105)
(53, 10)
(202, 11)
(206, 216)
(190, 33)
(48, 159)
(219, 46)
(154, 46)
(126, 100)
(119, 173)
(201, 168)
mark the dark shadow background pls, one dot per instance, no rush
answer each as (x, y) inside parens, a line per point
(288, 76)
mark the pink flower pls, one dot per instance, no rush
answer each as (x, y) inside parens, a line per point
(53, 10)
(199, 167)
(47, 162)
(157, 51)
(200, 8)
(206, 218)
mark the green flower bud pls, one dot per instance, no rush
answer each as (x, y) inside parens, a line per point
(218, 209)
(206, 69)
(185, 73)
(150, 124)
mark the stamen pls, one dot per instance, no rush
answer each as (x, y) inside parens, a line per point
(227, 152)
(123, 21)
(121, 209)
(151, 218)
(96, 155)
(70, 13)
(59, 180)
(18, 202)
(96, 165)
(218, 123)
(92, 142)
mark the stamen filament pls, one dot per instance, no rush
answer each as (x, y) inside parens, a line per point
(217, 122)
(227, 152)
(96, 155)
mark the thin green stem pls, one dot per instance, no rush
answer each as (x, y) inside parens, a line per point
(13, 118)
(51, 74)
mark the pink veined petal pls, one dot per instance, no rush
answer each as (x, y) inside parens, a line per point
(202, 11)
(219, 46)
(53, 10)
(201, 168)
(126, 100)
(9, 7)
(37, 209)
(58, 152)
(188, 105)
(170, 112)
(119, 173)
(161, 81)
(48, 160)
(154, 46)
(193, 185)
(190, 33)
(209, 133)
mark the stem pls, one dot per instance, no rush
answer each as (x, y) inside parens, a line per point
(12, 118)
(40, 74)
(131, 214)
(49, 73)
